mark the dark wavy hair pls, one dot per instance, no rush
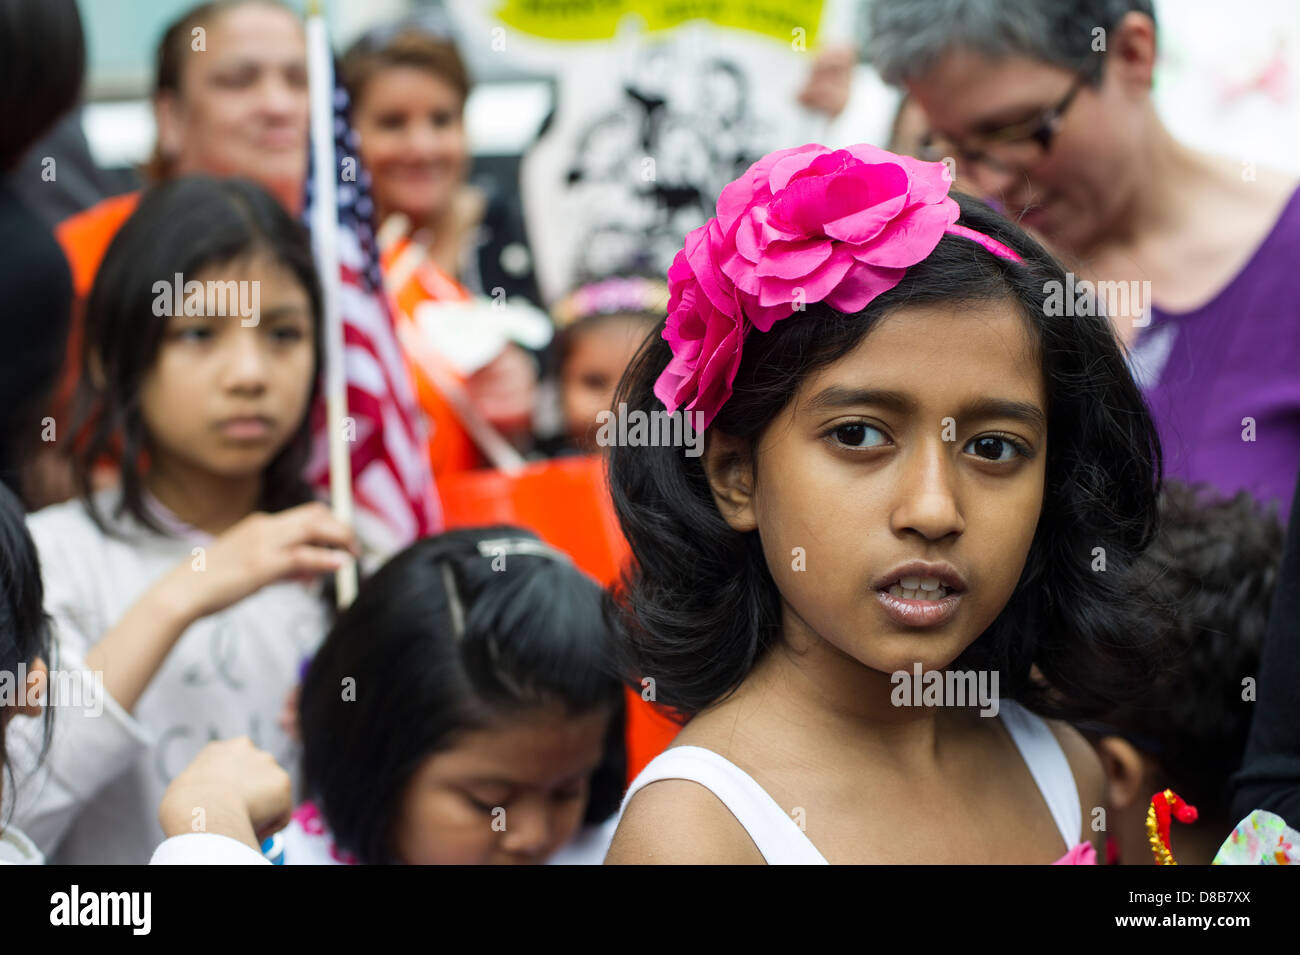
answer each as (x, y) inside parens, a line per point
(440, 641)
(183, 226)
(699, 606)
(1209, 578)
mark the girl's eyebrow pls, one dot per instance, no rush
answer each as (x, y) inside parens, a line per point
(837, 396)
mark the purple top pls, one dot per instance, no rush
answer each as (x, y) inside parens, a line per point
(1236, 357)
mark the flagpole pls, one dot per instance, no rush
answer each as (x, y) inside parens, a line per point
(325, 245)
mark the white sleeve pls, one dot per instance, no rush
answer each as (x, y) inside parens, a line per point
(93, 739)
(206, 848)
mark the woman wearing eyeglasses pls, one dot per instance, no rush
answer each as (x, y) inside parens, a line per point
(1046, 107)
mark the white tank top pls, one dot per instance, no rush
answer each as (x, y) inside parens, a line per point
(779, 838)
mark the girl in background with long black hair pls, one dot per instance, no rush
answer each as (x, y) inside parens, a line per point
(185, 595)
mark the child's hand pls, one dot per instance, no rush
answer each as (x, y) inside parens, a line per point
(231, 788)
(262, 549)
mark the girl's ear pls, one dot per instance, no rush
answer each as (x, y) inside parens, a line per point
(1126, 772)
(728, 464)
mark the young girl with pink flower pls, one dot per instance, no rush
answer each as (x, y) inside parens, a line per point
(907, 464)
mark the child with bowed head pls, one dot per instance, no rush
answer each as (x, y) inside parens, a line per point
(464, 710)
(908, 468)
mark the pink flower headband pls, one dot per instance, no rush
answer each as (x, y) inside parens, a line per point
(609, 297)
(802, 225)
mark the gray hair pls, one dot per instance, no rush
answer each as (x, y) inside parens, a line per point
(908, 37)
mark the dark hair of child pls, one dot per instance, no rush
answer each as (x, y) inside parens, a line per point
(24, 628)
(182, 227)
(445, 639)
(1209, 577)
(700, 606)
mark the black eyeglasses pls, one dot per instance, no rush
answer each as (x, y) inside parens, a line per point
(1011, 148)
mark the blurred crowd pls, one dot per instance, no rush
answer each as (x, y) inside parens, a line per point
(137, 444)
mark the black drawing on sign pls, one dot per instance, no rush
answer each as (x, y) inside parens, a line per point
(646, 173)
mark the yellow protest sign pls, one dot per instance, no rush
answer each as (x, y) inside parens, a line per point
(570, 20)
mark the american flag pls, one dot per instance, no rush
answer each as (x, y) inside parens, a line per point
(391, 477)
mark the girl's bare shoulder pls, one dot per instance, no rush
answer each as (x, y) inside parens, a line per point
(1089, 777)
(680, 822)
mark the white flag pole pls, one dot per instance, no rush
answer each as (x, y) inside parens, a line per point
(325, 245)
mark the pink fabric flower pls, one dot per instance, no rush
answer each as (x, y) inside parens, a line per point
(802, 225)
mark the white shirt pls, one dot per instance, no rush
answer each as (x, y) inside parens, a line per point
(782, 841)
(192, 848)
(95, 797)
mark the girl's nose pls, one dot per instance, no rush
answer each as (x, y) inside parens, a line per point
(528, 829)
(247, 362)
(926, 499)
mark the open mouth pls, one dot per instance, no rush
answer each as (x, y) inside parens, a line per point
(919, 588)
(921, 594)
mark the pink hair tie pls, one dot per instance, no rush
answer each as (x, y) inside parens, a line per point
(802, 225)
(979, 238)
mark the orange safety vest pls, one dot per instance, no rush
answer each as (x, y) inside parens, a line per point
(85, 238)
(451, 448)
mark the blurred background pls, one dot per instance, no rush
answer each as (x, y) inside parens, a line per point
(1225, 84)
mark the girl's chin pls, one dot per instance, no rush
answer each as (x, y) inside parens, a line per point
(240, 465)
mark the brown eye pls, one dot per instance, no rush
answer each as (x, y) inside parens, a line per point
(994, 448)
(285, 334)
(858, 435)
